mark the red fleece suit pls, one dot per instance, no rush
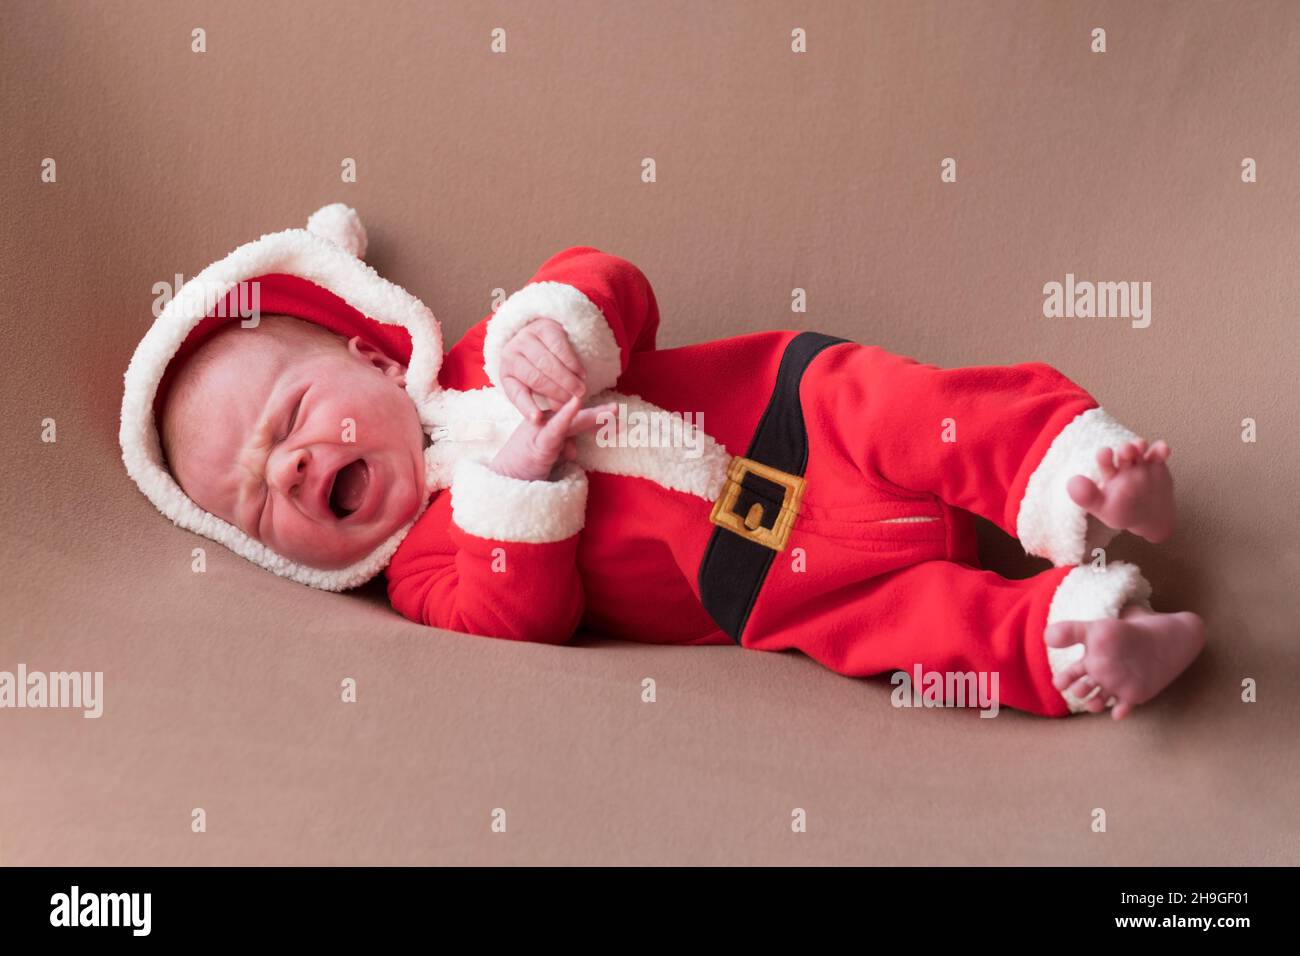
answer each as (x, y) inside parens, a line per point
(880, 571)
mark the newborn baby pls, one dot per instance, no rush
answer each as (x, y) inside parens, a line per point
(812, 493)
(317, 451)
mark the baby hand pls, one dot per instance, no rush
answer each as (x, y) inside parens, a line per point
(532, 449)
(539, 358)
(1136, 492)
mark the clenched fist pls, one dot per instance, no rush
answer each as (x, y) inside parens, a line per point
(540, 359)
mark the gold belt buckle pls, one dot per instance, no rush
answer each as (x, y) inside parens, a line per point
(750, 526)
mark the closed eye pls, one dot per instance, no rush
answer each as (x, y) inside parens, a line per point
(293, 418)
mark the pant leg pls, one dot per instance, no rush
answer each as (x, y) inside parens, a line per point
(997, 441)
(951, 618)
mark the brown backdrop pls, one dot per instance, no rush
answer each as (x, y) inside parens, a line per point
(775, 171)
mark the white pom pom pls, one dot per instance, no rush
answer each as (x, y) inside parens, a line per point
(341, 225)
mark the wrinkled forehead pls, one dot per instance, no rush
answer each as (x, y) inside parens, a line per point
(237, 360)
(218, 400)
(247, 359)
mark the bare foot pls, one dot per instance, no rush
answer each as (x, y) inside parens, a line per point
(1131, 658)
(1136, 492)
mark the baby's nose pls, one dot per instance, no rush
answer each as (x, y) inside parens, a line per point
(287, 470)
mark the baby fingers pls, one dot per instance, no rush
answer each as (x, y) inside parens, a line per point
(556, 340)
(591, 418)
(558, 426)
(521, 396)
(535, 367)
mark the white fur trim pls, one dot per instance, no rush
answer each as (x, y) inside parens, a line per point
(469, 425)
(491, 505)
(341, 225)
(1049, 523)
(475, 424)
(1089, 594)
(585, 324)
(296, 252)
(697, 464)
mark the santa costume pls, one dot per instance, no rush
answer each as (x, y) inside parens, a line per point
(818, 498)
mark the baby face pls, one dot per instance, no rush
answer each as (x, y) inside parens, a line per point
(306, 442)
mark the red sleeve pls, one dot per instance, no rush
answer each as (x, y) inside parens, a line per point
(604, 303)
(445, 575)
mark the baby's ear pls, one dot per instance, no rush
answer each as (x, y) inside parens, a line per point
(367, 353)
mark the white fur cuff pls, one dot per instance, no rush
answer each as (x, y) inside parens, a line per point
(1050, 524)
(491, 505)
(588, 331)
(1090, 594)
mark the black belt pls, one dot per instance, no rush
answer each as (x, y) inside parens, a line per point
(761, 497)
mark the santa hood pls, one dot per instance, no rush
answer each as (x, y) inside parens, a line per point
(315, 274)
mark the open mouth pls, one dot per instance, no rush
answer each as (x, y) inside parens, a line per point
(349, 490)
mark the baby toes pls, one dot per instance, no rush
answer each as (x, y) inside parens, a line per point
(1085, 493)
(1106, 462)
(1085, 690)
(1158, 453)
(1097, 704)
(1128, 455)
(1069, 675)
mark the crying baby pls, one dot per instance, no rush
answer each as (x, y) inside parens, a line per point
(813, 494)
(308, 442)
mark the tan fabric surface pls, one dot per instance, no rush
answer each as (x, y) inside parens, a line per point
(775, 171)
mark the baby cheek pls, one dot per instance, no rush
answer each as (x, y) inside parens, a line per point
(302, 540)
(412, 494)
